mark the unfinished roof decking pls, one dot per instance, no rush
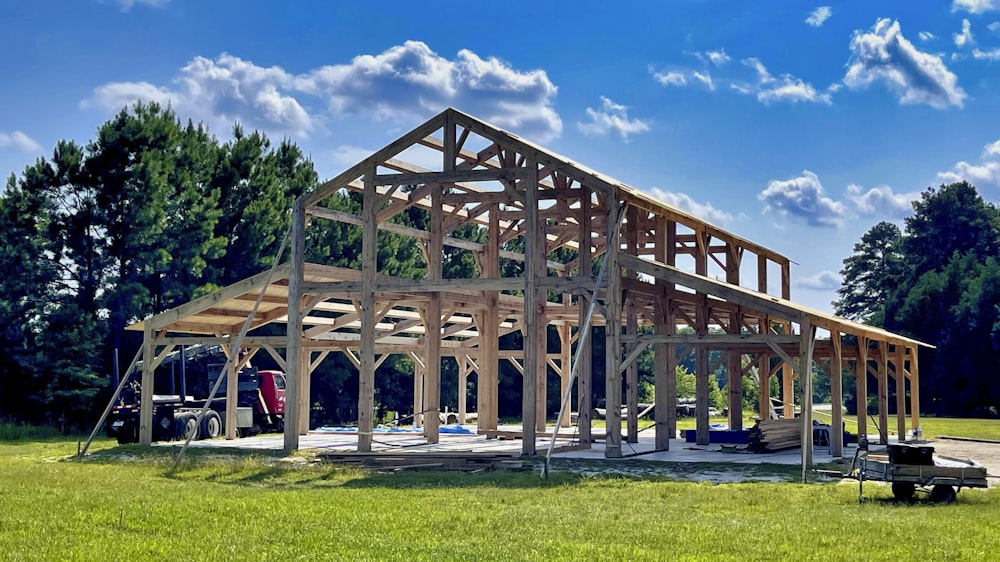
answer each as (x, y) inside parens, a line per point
(515, 190)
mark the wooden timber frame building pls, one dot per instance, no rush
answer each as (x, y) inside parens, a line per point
(666, 269)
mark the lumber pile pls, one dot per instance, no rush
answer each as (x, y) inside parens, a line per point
(397, 462)
(768, 436)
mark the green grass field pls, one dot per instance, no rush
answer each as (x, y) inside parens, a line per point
(121, 504)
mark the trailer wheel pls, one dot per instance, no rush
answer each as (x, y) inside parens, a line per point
(211, 425)
(903, 491)
(942, 493)
(129, 433)
(186, 425)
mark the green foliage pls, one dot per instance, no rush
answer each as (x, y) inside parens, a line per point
(870, 274)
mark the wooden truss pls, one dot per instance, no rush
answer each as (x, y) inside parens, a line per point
(668, 270)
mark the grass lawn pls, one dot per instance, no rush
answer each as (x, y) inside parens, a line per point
(122, 504)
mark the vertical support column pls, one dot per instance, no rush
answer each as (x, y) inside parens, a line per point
(808, 336)
(671, 255)
(584, 388)
(294, 328)
(788, 374)
(613, 335)
(701, 350)
(764, 386)
(836, 396)
(883, 392)
(432, 372)
(534, 308)
(914, 392)
(419, 366)
(463, 386)
(763, 360)
(541, 337)
(232, 390)
(734, 365)
(900, 358)
(369, 269)
(664, 376)
(861, 382)
(564, 362)
(487, 388)
(305, 389)
(146, 392)
(631, 330)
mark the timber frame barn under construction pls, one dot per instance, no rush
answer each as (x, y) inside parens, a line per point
(663, 268)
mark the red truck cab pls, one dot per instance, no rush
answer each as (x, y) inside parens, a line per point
(272, 390)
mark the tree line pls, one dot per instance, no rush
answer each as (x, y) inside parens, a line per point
(936, 280)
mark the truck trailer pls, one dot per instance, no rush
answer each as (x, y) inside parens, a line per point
(181, 387)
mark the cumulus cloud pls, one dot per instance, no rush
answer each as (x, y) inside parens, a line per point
(822, 281)
(819, 16)
(127, 5)
(882, 55)
(994, 27)
(986, 173)
(670, 78)
(880, 201)
(718, 58)
(925, 35)
(684, 202)
(975, 6)
(803, 198)
(992, 54)
(965, 37)
(611, 117)
(787, 88)
(404, 84)
(19, 141)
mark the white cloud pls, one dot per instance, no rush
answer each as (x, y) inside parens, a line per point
(975, 6)
(705, 211)
(965, 37)
(822, 281)
(803, 198)
(819, 16)
(787, 88)
(345, 155)
(994, 27)
(404, 84)
(19, 141)
(705, 78)
(880, 201)
(718, 58)
(883, 55)
(992, 54)
(612, 117)
(925, 35)
(127, 5)
(669, 78)
(986, 173)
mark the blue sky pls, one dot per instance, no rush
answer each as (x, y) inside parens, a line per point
(798, 125)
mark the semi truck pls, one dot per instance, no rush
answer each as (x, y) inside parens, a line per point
(181, 387)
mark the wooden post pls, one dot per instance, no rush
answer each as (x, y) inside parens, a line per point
(808, 335)
(463, 383)
(534, 307)
(232, 391)
(900, 359)
(294, 328)
(861, 382)
(584, 387)
(305, 390)
(369, 270)
(788, 389)
(734, 365)
(701, 350)
(631, 329)
(613, 335)
(564, 363)
(764, 386)
(914, 392)
(883, 392)
(489, 339)
(664, 377)
(541, 336)
(671, 318)
(146, 391)
(836, 396)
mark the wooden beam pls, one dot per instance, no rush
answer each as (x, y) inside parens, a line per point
(293, 329)
(584, 387)
(613, 334)
(836, 397)
(861, 381)
(533, 309)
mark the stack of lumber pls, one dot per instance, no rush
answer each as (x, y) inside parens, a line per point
(768, 436)
(396, 462)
